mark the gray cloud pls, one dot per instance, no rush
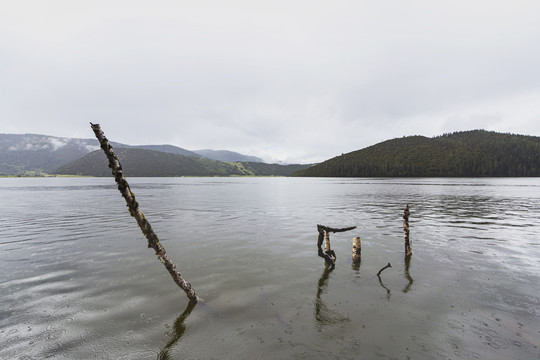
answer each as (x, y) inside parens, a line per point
(296, 81)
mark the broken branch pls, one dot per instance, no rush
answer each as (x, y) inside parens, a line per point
(384, 268)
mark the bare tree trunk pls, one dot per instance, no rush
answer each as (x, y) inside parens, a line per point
(133, 206)
(408, 250)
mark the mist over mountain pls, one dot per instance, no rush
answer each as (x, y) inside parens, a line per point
(35, 153)
(41, 153)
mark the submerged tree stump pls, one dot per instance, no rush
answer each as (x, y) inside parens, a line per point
(328, 254)
(133, 206)
(408, 250)
(356, 250)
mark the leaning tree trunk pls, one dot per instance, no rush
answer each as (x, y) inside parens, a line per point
(133, 206)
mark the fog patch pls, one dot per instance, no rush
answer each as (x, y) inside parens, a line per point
(58, 143)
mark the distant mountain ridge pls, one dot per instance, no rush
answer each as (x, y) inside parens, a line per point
(467, 153)
(25, 153)
(225, 155)
(165, 148)
(139, 162)
(41, 153)
(461, 154)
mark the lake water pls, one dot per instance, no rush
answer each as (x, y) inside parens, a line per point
(78, 281)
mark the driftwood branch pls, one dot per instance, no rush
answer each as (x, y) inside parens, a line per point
(334, 230)
(384, 268)
(324, 235)
(133, 206)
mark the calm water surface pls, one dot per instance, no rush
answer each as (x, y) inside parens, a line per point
(78, 281)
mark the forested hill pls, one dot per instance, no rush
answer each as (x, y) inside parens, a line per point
(28, 154)
(467, 154)
(145, 163)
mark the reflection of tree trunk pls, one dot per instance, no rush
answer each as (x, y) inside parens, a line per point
(324, 234)
(323, 316)
(407, 275)
(179, 328)
(133, 206)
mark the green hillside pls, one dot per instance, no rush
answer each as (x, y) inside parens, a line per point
(29, 154)
(143, 163)
(467, 154)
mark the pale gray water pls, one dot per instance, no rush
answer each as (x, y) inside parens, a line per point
(78, 280)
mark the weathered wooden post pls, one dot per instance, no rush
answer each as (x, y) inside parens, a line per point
(327, 247)
(356, 250)
(408, 250)
(133, 206)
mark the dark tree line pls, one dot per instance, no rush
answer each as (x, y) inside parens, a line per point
(470, 153)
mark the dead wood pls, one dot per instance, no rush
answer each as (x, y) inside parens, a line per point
(133, 206)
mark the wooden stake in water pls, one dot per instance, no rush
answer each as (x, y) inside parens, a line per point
(133, 206)
(408, 250)
(356, 250)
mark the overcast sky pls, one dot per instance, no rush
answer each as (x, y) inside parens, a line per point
(291, 81)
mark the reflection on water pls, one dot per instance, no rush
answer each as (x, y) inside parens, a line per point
(388, 291)
(325, 317)
(407, 274)
(178, 328)
(78, 281)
